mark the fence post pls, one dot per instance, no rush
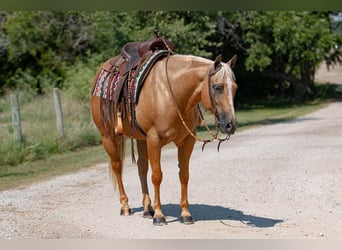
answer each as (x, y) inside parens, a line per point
(16, 117)
(59, 113)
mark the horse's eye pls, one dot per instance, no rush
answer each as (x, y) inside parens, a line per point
(218, 88)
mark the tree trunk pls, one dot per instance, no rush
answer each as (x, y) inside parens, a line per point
(300, 91)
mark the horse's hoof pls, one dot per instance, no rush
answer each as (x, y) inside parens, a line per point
(148, 214)
(187, 220)
(125, 212)
(159, 221)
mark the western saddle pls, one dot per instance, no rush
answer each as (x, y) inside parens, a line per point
(128, 64)
(133, 52)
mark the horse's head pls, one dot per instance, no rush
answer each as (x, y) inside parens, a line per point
(221, 91)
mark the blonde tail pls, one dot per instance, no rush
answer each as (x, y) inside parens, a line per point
(120, 144)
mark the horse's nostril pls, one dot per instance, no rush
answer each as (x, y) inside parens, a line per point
(229, 125)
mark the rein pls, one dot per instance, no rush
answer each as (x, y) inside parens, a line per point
(214, 137)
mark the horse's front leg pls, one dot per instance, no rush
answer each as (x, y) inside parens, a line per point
(154, 152)
(184, 153)
(143, 169)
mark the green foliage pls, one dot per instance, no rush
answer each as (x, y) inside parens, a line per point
(40, 44)
(328, 92)
(40, 48)
(43, 49)
(47, 36)
(188, 30)
(11, 153)
(79, 77)
(288, 46)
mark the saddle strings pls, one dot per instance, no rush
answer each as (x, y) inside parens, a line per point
(204, 141)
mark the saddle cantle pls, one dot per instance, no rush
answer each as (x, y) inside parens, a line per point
(119, 86)
(133, 51)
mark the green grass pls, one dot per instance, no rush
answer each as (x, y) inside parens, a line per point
(256, 116)
(58, 164)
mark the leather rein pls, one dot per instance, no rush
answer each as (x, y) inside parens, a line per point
(214, 136)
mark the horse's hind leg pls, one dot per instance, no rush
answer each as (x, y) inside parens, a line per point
(115, 150)
(143, 169)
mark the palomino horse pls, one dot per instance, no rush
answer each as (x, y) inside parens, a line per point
(167, 112)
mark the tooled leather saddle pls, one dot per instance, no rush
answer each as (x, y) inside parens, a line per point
(119, 86)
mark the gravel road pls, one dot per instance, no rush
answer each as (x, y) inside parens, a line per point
(274, 181)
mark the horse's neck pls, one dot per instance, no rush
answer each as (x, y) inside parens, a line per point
(193, 72)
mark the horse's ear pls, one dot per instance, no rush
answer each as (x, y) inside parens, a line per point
(232, 61)
(217, 62)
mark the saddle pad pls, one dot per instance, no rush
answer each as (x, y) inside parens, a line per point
(145, 69)
(104, 82)
(105, 78)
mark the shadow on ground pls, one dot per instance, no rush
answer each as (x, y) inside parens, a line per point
(201, 212)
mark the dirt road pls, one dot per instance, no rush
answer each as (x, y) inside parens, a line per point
(275, 181)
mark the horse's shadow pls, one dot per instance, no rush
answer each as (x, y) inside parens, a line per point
(201, 212)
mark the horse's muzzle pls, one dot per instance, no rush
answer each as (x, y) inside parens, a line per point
(226, 124)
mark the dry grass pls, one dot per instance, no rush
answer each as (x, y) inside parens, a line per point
(40, 133)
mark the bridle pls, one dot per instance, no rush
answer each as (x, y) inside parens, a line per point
(211, 98)
(214, 136)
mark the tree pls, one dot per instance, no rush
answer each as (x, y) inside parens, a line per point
(278, 51)
(188, 30)
(40, 46)
(41, 43)
(287, 47)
